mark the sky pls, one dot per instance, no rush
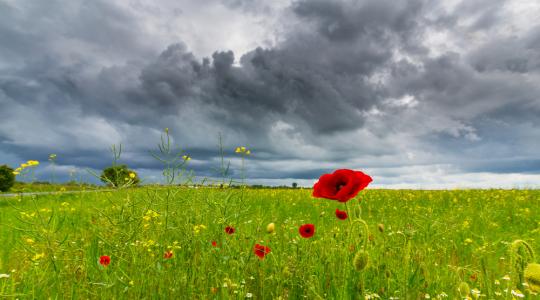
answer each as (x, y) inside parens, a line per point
(418, 94)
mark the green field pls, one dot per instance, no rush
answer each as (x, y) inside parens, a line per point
(24, 187)
(421, 244)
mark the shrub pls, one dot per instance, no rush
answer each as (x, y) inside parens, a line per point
(7, 178)
(118, 176)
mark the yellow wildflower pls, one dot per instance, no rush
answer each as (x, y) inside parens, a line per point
(152, 213)
(38, 256)
(243, 150)
(186, 157)
(198, 228)
(132, 175)
(27, 215)
(32, 162)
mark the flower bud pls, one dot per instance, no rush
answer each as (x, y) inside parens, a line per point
(270, 228)
(464, 289)
(532, 276)
(361, 260)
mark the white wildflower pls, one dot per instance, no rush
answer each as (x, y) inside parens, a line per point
(517, 293)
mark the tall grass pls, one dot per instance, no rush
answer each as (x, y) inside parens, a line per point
(419, 244)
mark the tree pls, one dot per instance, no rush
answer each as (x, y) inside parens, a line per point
(119, 176)
(294, 185)
(7, 178)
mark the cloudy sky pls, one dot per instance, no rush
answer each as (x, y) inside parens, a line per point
(418, 93)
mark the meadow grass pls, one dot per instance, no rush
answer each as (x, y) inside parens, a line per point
(420, 244)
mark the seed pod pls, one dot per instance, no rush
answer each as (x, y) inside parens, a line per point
(464, 289)
(520, 254)
(532, 276)
(361, 260)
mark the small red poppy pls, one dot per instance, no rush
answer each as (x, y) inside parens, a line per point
(342, 185)
(307, 230)
(341, 214)
(229, 230)
(168, 254)
(261, 250)
(214, 243)
(105, 260)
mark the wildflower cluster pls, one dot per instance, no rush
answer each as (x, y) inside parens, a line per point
(198, 228)
(242, 150)
(65, 206)
(169, 253)
(149, 245)
(23, 166)
(150, 217)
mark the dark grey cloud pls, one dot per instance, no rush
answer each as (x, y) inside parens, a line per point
(379, 23)
(394, 87)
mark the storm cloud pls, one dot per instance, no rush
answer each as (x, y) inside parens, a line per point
(417, 93)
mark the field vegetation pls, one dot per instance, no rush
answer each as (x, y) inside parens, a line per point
(174, 243)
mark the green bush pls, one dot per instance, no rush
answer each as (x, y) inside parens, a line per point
(7, 178)
(118, 176)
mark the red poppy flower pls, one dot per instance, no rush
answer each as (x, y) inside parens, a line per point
(342, 185)
(214, 243)
(307, 230)
(341, 214)
(168, 254)
(229, 230)
(261, 251)
(105, 260)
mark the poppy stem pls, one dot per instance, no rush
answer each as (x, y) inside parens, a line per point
(365, 227)
(359, 209)
(350, 223)
(365, 233)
